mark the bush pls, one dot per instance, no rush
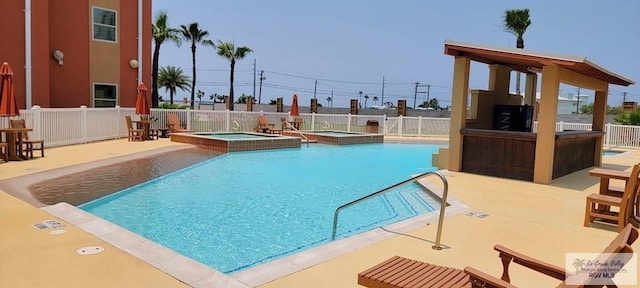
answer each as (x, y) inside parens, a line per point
(167, 105)
(629, 118)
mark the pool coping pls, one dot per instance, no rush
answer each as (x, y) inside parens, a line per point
(197, 274)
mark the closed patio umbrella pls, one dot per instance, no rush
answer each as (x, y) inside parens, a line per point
(142, 103)
(295, 111)
(8, 101)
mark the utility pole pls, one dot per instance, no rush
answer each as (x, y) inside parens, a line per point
(415, 95)
(428, 88)
(624, 97)
(382, 94)
(331, 98)
(261, 78)
(315, 86)
(254, 78)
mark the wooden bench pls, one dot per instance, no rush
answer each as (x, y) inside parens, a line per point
(402, 272)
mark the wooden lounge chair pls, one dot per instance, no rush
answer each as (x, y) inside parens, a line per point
(264, 126)
(29, 144)
(402, 272)
(173, 123)
(598, 205)
(134, 134)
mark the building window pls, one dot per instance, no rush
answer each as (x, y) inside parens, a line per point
(105, 95)
(104, 24)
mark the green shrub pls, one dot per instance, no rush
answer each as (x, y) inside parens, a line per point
(629, 118)
(167, 105)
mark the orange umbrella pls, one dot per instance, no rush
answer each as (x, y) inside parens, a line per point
(8, 101)
(294, 106)
(142, 103)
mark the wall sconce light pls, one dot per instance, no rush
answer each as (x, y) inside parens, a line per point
(58, 55)
(133, 63)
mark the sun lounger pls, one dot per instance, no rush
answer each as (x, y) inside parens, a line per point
(173, 123)
(264, 126)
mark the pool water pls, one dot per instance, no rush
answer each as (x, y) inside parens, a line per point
(334, 133)
(611, 152)
(243, 209)
(231, 136)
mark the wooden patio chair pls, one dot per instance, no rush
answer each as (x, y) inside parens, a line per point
(4, 149)
(173, 123)
(285, 124)
(402, 272)
(134, 133)
(598, 205)
(29, 144)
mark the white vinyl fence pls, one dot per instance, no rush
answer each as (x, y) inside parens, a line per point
(67, 126)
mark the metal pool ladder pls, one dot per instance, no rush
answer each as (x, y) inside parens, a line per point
(301, 135)
(443, 206)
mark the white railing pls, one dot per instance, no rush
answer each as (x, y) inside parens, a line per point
(67, 126)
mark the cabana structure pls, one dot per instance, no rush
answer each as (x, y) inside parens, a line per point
(494, 137)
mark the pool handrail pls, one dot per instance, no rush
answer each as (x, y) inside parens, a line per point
(443, 205)
(296, 130)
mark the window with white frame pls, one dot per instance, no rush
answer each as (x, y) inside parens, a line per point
(105, 95)
(104, 24)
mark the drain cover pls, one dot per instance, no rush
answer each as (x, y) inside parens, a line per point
(90, 250)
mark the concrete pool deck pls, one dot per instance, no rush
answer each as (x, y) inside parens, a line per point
(543, 221)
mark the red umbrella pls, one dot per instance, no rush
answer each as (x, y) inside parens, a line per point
(142, 103)
(8, 101)
(294, 106)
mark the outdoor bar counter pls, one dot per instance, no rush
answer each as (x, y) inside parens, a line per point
(511, 154)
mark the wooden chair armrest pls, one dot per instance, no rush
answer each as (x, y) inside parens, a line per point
(507, 255)
(481, 279)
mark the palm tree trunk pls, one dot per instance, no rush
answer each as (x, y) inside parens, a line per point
(233, 65)
(519, 45)
(193, 84)
(154, 76)
(171, 96)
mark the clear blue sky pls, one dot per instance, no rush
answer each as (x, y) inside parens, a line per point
(349, 46)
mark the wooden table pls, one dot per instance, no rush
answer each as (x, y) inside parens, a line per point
(163, 132)
(14, 141)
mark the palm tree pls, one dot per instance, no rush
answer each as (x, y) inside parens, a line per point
(229, 51)
(375, 100)
(516, 22)
(160, 32)
(172, 78)
(193, 34)
(329, 100)
(366, 97)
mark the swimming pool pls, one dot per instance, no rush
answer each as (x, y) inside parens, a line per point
(243, 209)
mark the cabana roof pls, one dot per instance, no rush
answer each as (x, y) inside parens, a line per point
(526, 60)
